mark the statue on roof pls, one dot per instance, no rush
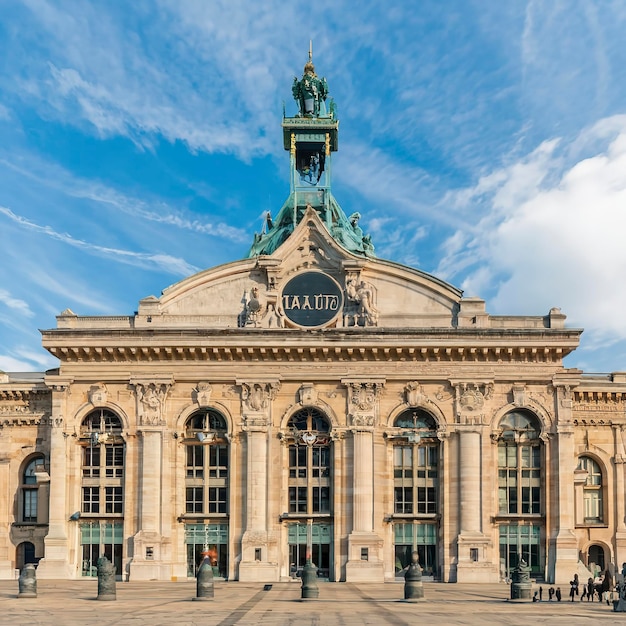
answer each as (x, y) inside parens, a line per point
(310, 91)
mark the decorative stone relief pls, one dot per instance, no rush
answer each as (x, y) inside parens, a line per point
(307, 394)
(97, 394)
(202, 394)
(150, 402)
(256, 398)
(360, 306)
(470, 401)
(414, 394)
(260, 311)
(253, 308)
(362, 401)
(519, 394)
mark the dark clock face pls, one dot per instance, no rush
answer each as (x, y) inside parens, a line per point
(312, 299)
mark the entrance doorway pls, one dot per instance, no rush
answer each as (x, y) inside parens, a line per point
(320, 547)
(99, 538)
(25, 553)
(595, 558)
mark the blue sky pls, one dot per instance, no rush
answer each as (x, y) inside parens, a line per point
(483, 142)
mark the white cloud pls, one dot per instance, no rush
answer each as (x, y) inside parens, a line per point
(19, 306)
(551, 233)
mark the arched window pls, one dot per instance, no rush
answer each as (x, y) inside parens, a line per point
(592, 491)
(310, 480)
(520, 465)
(30, 490)
(102, 489)
(207, 463)
(416, 452)
(309, 462)
(206, 489)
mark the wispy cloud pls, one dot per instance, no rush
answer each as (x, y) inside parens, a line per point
(53, 176)
(162, 262)
(19, 306)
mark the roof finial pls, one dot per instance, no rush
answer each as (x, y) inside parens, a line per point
(310, 50)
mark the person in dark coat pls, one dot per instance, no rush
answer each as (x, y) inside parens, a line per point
(573, 591)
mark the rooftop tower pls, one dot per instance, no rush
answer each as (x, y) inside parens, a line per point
(310, 137)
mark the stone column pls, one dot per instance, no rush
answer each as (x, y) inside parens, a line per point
(148, 560)
(563, 541)
(365, 547)
(258, 539)
(55, 563)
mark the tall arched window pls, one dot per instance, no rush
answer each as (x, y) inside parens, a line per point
(207, 463)
(416, 454)
(102, 490)
(29, 488)
(309, 505)
(593, 501)
(520, 502)
(206, 490)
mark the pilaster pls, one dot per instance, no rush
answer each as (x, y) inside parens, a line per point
(365, 547)
(55, 563)
(563, 541)
(258, 539)
(150, 547)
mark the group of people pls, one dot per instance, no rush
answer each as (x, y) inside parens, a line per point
(601, 585)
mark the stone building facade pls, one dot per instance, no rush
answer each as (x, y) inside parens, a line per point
(312, 400)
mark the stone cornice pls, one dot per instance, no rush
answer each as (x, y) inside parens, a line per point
(438, 345)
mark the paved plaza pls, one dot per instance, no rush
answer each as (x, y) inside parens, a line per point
(70, 603)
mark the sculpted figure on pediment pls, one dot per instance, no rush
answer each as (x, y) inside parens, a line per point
(360, 308)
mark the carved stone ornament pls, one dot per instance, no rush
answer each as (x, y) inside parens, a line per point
(97, 394)
(203, 394)
(307, 394)
(360, 305)
(471, 400)
(256, 397)
(519, 395)
(363, 395)
(150, 402)
(414, 394)
(362, 420)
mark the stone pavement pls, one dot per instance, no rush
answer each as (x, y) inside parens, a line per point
(72, 603)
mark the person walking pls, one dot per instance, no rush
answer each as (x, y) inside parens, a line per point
(573, 590)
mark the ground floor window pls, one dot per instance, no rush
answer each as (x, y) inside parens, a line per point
(211, 538)
(321, 544)
(418, 536)
(99, 538)
(520, 540)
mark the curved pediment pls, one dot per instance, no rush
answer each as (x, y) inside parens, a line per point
(310, 281)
